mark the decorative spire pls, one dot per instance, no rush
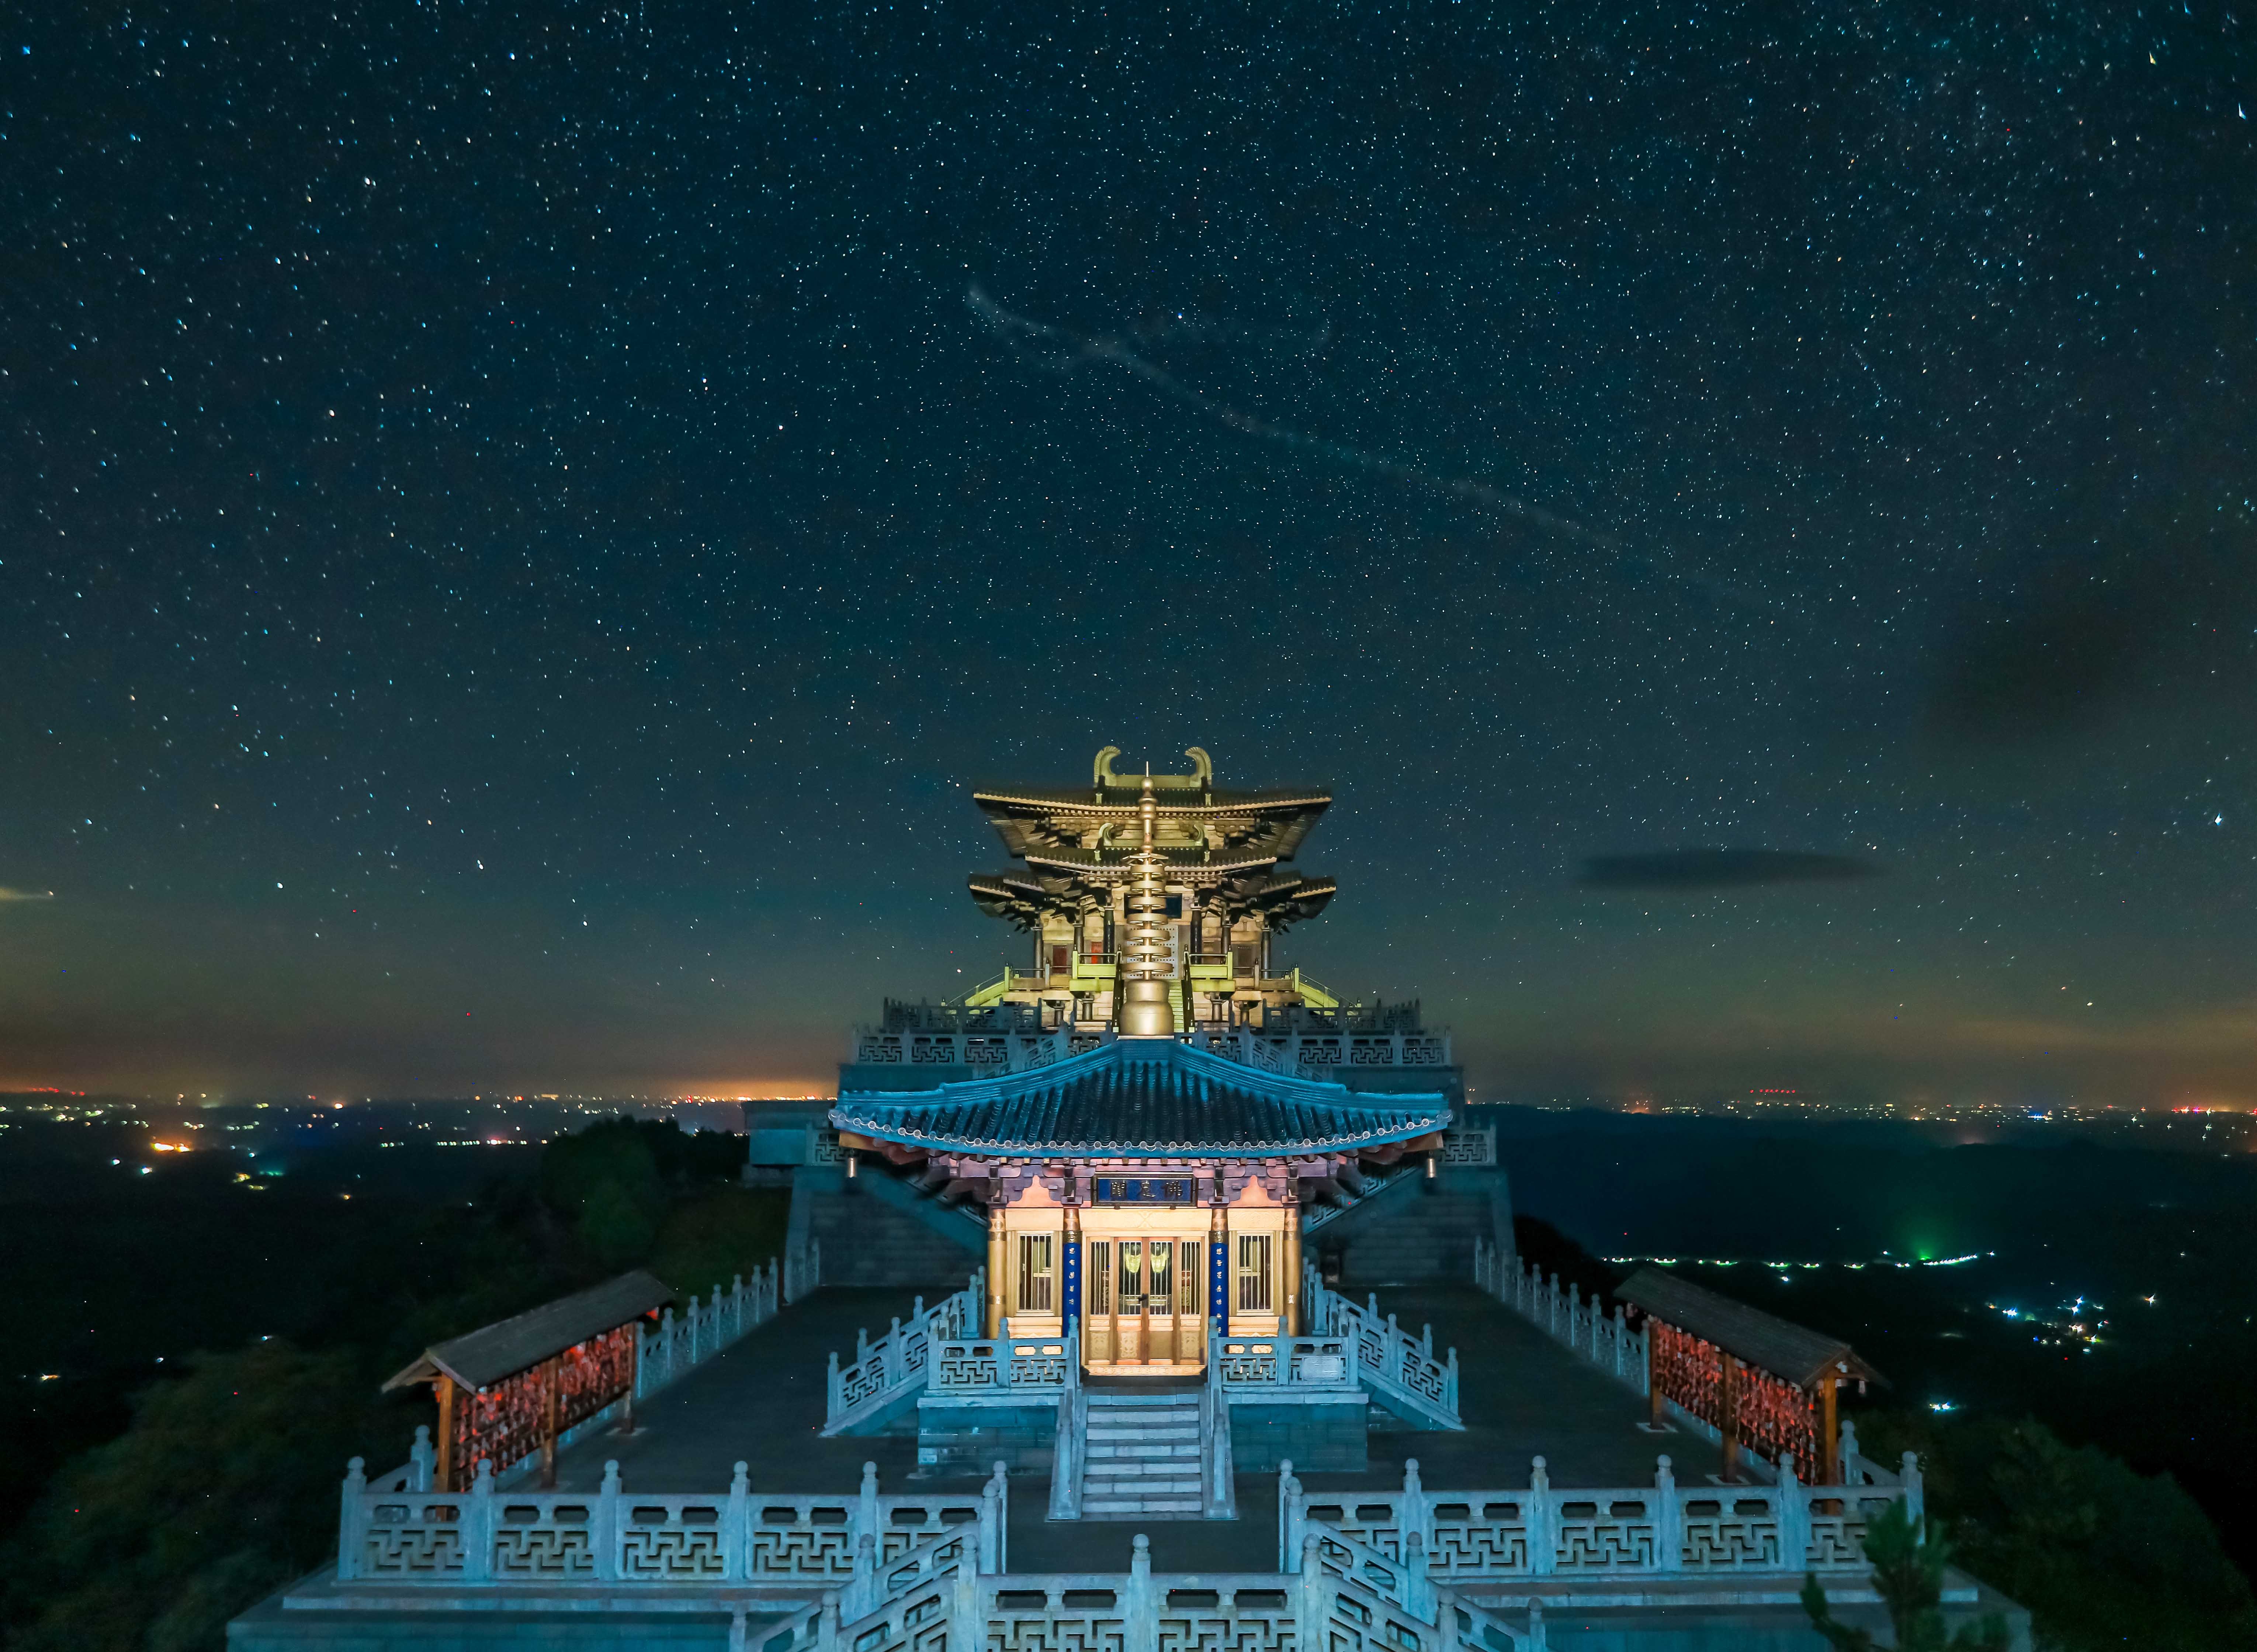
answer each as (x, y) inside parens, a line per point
(1144, 1009)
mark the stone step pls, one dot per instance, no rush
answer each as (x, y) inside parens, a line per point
(1141, 1492)
(1179, 1451)
(1167, 1431)
(1143, 1408)
(1140, 1509)
(1102, 1469)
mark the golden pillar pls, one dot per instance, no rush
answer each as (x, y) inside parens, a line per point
(994, 1263)
(1293, 1248)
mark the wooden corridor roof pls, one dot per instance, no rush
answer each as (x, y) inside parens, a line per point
(480, 1358)
(1792, 1352)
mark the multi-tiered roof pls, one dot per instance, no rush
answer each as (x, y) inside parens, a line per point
(1076, 845)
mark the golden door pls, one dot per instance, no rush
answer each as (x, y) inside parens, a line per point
(1142, 1304)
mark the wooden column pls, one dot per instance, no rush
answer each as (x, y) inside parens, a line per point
(1829, 1438)
(634, 1376)
(1728, 1415)
(1292, 1249)
(550, 1371)
(446, 1387)
(994, 1260)
(1656, 1404)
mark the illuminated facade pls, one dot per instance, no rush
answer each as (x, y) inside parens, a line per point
(1148, 1114)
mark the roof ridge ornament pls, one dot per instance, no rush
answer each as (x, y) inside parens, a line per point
(1104, 777)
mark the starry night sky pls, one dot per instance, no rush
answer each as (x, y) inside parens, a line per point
(520, 528)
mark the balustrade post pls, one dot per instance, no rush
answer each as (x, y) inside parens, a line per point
(421, 1458)
(1289, 1517)
(990, 1527)
(1450, 1383)
(735, 1533)
(1543, 1534)
(832, 1393)
(1915, 1495)
(1141, 1625)
(826, 1623)
(690, 1317)
(892, 1347)
(1311, 1602)
(1398, 1353)
(604, 1519)
(866, 1507)
(1668, 1520)
(1417, 1583)
(1000, 1484)
(352, 1510)
(1794, 1517)
(479, 1527)
(1413, 1516)
(1445, 1619)
(1536, 1640)
(862, 1584)
(964, 1629)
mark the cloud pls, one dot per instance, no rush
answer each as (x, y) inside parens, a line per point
(7, 894)
(1719, 869)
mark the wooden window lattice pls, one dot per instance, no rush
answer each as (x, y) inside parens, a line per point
(505, 1424)
(1253, 1274)
(1037, 1291)
(1773, 1416)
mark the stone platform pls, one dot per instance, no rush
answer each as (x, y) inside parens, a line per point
(761, 1402)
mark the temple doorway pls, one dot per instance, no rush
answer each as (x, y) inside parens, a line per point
(1144, 1304)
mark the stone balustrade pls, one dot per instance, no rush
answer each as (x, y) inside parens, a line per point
(1032, 1367)
(1387, 1360)
(1303, 1055)
(414, 1535)
(1319, 1609)
(1325, 1055)
(1265, 1362)
(898, 1362)
(1367, 1571)
(677, 1344)
(982, 1052)
(1614, 1533)
(1566, 1316)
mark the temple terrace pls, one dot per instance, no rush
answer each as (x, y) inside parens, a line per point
(1149, 1296)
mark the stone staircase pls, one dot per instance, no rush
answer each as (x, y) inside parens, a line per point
(1142, 1460)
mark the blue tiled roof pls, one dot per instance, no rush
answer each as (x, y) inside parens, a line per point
(1138, 1098)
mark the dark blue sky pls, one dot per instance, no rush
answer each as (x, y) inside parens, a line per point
(518, 528)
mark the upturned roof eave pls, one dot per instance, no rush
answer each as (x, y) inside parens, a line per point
(995, 1148)
(1081, 803)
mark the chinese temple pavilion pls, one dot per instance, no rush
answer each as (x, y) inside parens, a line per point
(1157, 1154)
(1143, 1114)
